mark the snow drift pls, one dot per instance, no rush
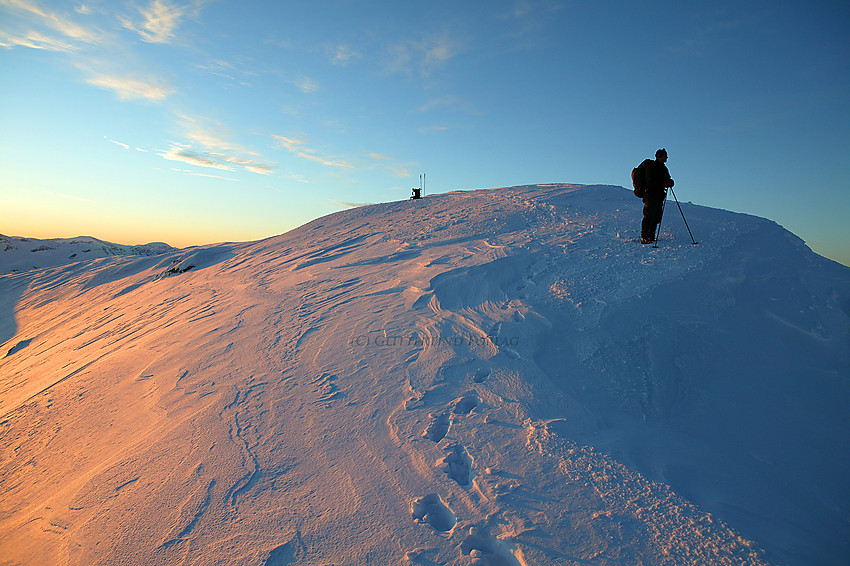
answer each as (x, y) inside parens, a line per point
(492, 377)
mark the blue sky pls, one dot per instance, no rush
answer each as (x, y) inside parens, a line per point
(201, 121)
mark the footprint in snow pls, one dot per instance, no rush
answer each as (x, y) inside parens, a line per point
(458, 465)
(480, 375)
(466, 404)
(419, 557)
(487, 549)
(416, 401)
(441, 422)
(439, 427)
(431, 509)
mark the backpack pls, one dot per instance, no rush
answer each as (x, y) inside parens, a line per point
(639, 178)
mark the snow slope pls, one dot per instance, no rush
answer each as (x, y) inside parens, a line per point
(24, 254)
(493, 377)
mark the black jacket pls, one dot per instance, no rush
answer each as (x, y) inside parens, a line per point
(657, 176)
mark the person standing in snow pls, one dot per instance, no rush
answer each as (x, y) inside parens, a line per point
(657, 181)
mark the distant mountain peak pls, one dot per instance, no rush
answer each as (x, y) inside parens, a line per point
(19, 254)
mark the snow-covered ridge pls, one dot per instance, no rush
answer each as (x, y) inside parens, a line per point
(485, 377)
(24, 254)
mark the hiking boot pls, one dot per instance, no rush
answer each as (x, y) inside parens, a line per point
(646, 240)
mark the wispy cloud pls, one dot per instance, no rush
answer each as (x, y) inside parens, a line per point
(342, 54)
(211, 146)
(531, 15)
(390, 164)
(440, 49)
(228, 70)
(449, 102)
(120, 144)
(306, 84)
(211, 135)
(97, 53)
(59, 22)
(182, 153)
(159, 21)
(207, 175)
(31, 17)
(528, 8)
(35, 40)
(422, 56)
(214, 160)
(298, 178)
(433, 129)
(130, 87)
(299, 148)
(252, 166)
(350, 204)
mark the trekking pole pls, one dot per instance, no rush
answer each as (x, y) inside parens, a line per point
(658, 229)
(694, 242)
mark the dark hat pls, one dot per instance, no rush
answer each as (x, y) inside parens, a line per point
(661, 152)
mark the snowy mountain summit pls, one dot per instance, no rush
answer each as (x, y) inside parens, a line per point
(494, 377)
(24, 254)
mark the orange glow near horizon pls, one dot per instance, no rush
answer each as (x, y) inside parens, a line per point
(127, 231)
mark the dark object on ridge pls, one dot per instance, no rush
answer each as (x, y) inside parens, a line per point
(656, 181)
(417, 193)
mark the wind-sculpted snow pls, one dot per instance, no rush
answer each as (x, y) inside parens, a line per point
(497, 377)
